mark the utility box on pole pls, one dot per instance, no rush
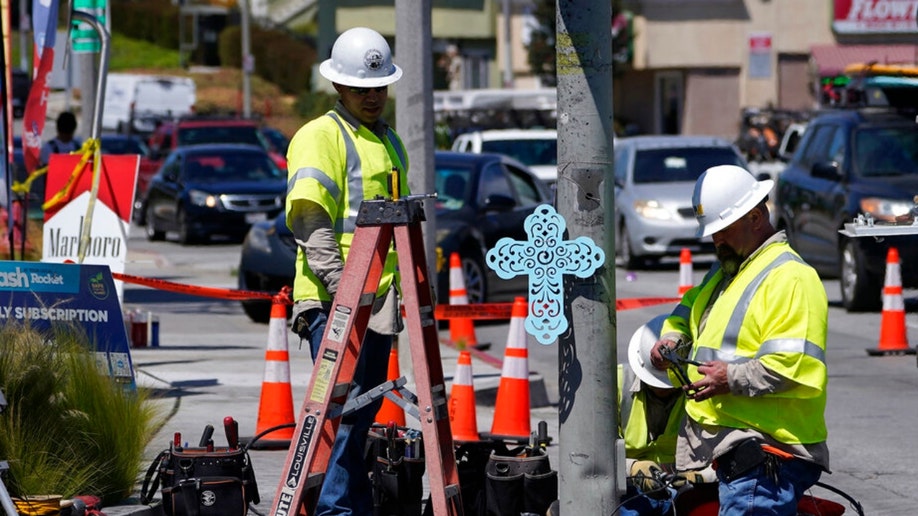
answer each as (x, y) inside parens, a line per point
(589, 466)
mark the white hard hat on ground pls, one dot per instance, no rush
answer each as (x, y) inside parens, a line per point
(361, 58)
(639, 354)
(723, 194)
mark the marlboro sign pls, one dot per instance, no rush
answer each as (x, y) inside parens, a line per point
(65, 221)
(875, 16)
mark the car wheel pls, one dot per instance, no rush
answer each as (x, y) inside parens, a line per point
(625, 252)
(258, 310)
(476, 283)
(860, 290)
(187, 236)
(153, 233)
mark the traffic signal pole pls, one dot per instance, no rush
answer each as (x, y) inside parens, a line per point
(589, 467)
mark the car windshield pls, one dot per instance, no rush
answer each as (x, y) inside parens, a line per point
(123, 146)
(452, 183)
(680, 164)
(241, 166)
(528, 151)
(886, 151)
(221, 134)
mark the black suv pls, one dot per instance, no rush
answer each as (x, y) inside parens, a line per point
(852, 162)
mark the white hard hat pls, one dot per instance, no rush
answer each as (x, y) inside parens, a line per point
(723, 194)
(639, 354)
(361, 58)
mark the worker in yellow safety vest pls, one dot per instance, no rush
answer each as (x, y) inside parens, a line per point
(651, 412)
(334, 163)
(750, 344)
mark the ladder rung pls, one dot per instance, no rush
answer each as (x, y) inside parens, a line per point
(451, 491)
(340, 389)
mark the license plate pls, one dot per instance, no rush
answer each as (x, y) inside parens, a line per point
(252, 218)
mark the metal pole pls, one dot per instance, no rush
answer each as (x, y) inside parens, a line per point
(414, 113)
(96, 127)
(25, 25)
(247, 62)
(508, 49)
(587, 354)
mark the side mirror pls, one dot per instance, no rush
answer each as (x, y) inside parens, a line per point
(827, 170)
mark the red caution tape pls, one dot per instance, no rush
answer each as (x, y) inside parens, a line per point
(220, 293)
(502, 310)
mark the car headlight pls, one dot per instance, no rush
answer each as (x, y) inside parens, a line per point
(651, 209)
(199, 198)
(886, 210)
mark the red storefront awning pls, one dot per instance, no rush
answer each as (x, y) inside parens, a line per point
(832, 59)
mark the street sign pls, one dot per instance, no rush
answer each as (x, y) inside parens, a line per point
(83, 37)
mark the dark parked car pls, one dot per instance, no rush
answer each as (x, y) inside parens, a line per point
(202, 190)
(852, 162)
(481, 198)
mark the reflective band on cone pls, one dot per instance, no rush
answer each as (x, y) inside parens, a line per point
(463, 420)
(893, 333)
(511, 410)
(276, 404)
(685, 271)
(461, 329)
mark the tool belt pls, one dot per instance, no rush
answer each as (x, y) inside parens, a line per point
(747, 455)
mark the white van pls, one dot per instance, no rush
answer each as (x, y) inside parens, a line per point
(135, 102)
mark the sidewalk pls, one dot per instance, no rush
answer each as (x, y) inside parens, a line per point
(210, 364)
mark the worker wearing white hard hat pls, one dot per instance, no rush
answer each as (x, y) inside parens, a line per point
(756, 327)
(334, 163)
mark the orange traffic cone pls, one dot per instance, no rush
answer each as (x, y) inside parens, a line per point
(461, 329)
(462, 419)
(511, 410)
(276, 404)
(389, 411)
(893, 335)
(685, 271)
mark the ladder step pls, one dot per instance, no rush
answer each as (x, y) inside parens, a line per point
(314, 480)
(341, 389)
(451, 490)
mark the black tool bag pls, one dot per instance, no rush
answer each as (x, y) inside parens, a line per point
(395, 462)
(198, 482)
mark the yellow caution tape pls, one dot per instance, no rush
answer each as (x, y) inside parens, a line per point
(87, 151)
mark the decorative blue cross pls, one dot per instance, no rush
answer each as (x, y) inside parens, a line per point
(546, 258)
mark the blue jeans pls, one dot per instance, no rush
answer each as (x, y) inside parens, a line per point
(756, 492)
(635, 503)
(346, 489)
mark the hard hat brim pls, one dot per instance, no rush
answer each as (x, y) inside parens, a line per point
(639, 348)
(328, 71)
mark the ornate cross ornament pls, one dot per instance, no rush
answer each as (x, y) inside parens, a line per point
(546, 258)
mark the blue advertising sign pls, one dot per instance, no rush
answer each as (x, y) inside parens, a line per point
(41, 294)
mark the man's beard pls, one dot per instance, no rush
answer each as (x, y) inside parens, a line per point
(729, 259)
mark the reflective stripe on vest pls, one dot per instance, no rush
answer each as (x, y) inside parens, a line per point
(354, 180)
(727, 351)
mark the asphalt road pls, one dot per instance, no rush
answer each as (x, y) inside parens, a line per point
(210, 364)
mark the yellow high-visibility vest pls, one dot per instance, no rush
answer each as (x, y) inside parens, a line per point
(633, 418)
(775, 310)
(336, 164)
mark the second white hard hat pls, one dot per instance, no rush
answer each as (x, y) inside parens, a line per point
(639, 348)
(723, 194)
(361, 58)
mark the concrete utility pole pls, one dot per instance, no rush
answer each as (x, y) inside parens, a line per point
(589, 466)
(414, 108)
(248, 63)
(508, 48)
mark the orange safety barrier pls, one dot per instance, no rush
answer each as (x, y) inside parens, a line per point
(504, 310)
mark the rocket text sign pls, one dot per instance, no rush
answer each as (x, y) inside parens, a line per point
(44, 294)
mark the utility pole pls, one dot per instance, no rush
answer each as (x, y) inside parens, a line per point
(508, 49)
(414, 108)
(248, 63)
(589, 465)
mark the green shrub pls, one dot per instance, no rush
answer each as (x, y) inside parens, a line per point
(69, 429)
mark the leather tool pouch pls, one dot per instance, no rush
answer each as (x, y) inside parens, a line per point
(742, 458)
